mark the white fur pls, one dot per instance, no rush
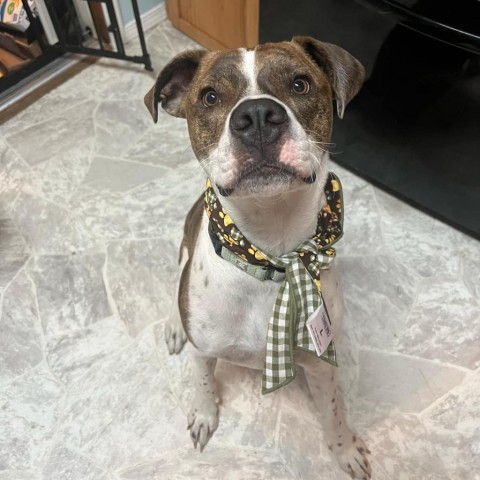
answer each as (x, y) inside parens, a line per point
(249, 70)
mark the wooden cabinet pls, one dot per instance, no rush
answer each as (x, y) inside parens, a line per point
(217, 24)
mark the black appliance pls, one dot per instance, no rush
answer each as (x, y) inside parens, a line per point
(414, 129)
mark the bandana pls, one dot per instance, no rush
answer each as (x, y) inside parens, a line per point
(299, 273)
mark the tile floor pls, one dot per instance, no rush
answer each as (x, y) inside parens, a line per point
(91, 209)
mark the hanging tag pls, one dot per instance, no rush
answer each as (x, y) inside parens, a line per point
(320, 329)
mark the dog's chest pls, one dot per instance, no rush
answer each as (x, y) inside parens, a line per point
(230, 310)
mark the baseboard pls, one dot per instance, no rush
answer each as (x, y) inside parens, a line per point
(150, 19)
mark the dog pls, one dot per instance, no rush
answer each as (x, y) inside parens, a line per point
(260, 123)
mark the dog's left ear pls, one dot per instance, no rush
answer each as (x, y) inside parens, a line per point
(346, 73)
(173, 83)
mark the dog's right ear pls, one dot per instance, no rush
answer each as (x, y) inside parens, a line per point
(172, 84)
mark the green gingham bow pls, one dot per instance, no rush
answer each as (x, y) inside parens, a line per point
(297, 300)
(299, 271)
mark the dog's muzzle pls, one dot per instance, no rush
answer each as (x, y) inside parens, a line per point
(260, 127)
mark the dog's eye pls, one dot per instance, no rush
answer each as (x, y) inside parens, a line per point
(301, 86)
(210, 98)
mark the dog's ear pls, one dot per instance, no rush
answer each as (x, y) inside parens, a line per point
(346, 73)
(173, 83)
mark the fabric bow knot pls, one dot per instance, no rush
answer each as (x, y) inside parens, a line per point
(298, 298)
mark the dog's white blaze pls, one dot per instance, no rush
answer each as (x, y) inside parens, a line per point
(249, 69)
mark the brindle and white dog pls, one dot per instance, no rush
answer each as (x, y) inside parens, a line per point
(260, 122)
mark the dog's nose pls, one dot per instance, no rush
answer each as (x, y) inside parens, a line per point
(259, 121)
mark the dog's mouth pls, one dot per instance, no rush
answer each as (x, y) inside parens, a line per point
(264, 175)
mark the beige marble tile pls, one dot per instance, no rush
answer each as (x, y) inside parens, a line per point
(65, 464)
(71, 354)
(231, 463)
(71, 291)
(444, 324)
(379, 294)
(103, 214)
(301, 444)
(140, 277)
(122, 413)
(49, 228)
(20, 475)
(21, 345)
(58, 178)
(159, 207)
(425, 245)
(407, 384)
(13, 172)
(402, 450)
(48, 138)
(30, 408)
(13, 251)
(117, 124)
(107, 174)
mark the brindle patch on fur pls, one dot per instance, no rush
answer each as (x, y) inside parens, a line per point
(222, 72)
(191, 228)
(278, 65)
(190, 236)
(183, 298)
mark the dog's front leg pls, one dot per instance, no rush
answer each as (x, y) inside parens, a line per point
(348, 447)
(203, 416)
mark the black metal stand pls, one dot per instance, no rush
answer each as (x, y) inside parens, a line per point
(120, 54)
(52, 52)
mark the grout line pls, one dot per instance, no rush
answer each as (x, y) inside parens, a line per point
(18, 156)
(48, 119)
(418, 291)
(95, 132)
(381, 217)
(17, 378)
(438, 363)
(108, 289)
(43, 335)
(19, 271)
(466, 379)
(74, 190)
(78, 452)
(121, 470)
(135, 162)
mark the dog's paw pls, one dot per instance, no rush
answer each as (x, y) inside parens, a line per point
(353, 460)
(202, 421)
(175, 336)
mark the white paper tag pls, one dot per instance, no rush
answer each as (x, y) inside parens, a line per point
(320, 329)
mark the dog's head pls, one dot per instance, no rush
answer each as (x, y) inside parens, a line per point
(260, 121)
